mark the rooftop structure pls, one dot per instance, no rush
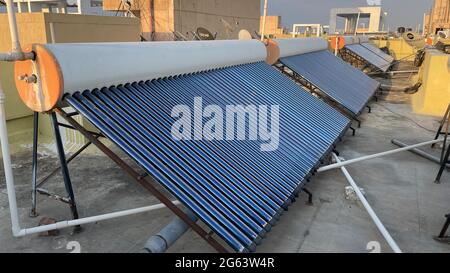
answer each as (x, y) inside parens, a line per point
(307, 29)
(88, 7)
(353, 17)
(60, 6)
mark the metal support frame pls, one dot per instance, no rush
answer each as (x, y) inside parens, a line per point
(442, 237)
(36, 186)
(352, 58)
(445, 153)
(34, 163)
(310, 196)
(207, 236)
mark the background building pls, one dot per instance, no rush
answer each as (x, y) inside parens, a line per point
(439, 17)
(273, 25)
(361, 20)
(160, 19)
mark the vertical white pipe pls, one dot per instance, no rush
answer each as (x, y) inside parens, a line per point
(369, 209)
(7, 166)
(52, 33)
(424, 24)
(357, 23)
(264, 21)
(13, 26)
(336, 46)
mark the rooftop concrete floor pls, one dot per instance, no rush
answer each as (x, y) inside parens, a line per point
(399, 187)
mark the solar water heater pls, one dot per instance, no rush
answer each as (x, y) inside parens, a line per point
(330, 77)
(129, 91)
(360, 49)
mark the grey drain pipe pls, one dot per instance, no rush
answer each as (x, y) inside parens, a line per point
(160, 242)
(419, 152)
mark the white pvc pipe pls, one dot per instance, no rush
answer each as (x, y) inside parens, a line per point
(369, 209)
(367, 157)
(291, 47)
(7, 166)
(263, 29)
(17, 53)
(357, 23)
(13, 26)
(91, 219)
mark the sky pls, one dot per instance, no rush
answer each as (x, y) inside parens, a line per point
(407, 13)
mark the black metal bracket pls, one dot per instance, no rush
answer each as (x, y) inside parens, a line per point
(353, 130)
(442, 237)
(35, 186)
(310, 196)
(445, 153)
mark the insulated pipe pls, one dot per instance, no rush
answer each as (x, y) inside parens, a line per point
(13, 26)
(160, 242)
(67, 68)
(419, 152)
(367, 157)
(17, 53)
(369, 209)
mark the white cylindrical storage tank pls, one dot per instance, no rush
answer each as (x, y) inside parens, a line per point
(291, 47)
(67, 68)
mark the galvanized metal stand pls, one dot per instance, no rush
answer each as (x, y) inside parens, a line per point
(64, 168)
(34, 163)
(142, 180)
(442, 237)
(310, 196)
(36, 186)
(445, 153)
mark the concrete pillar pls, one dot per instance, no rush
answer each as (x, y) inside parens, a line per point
(375, 21)
(333, 22)
(352, 24)
(346, 25)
